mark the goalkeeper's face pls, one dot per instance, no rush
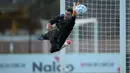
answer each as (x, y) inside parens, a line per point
(68, 15)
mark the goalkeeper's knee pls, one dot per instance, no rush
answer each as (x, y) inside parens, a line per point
(55, 48)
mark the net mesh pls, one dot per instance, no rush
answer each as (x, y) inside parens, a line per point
(128, 36)
(107, 14)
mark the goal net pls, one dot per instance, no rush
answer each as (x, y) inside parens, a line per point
(98, 30)
(105, 28)
(128, 36)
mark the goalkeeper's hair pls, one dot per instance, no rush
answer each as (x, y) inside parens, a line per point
(70, 10)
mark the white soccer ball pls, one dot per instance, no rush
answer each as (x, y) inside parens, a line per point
(81, 9)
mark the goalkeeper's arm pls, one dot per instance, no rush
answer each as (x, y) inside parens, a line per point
(74, 8)
(56, 19)
(53, 21)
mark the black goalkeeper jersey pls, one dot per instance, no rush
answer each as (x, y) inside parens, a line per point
(61, 24)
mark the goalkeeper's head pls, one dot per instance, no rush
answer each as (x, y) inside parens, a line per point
(68, 13)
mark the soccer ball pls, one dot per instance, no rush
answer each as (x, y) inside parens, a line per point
(81, 9)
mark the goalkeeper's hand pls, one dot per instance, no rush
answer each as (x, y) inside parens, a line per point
(49, 27)
(74, 7)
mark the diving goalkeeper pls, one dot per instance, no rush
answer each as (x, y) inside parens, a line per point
(59, 29)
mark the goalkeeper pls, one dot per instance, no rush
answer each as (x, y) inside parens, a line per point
(59, 29)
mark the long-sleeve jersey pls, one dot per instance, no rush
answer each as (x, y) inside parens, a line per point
(61, 23)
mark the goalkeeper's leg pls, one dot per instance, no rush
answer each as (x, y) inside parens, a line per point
(56, 38)
(59, 42)
(56, 46)
(43, 37)
(49, 33)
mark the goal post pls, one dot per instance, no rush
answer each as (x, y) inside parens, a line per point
(122, 36)
(80, 22)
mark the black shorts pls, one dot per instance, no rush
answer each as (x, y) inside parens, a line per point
(50, 35)
(53, 37)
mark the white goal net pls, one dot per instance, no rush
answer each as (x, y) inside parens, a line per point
(100, 31)
(128, 36)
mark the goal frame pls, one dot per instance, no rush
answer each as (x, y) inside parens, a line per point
(122, 33)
